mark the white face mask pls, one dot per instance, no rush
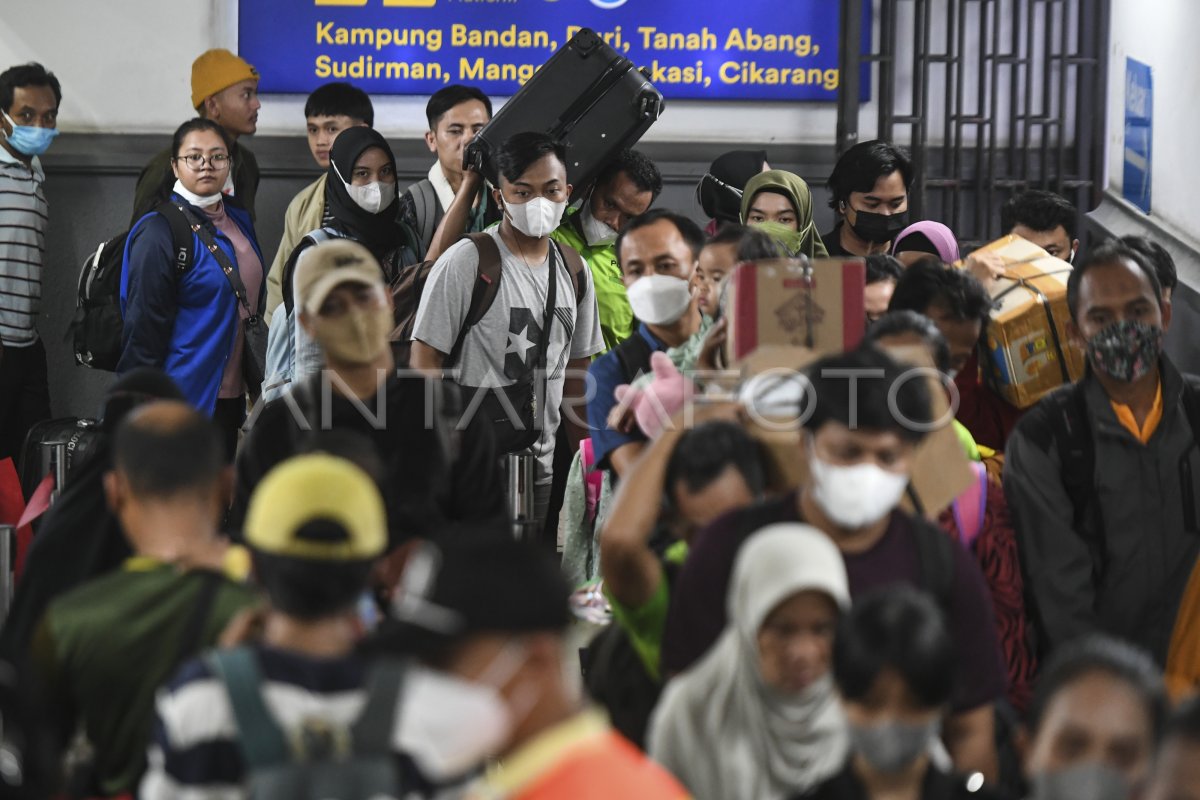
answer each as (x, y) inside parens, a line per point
(659, 299)
(596, 233)
(450, 726)
(374, 197)
(855, 497)
(537, 218)
(371, 198)
(198, 200)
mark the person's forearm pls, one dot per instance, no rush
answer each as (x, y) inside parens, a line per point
(424, 358)
(630, 568)
(457, 218)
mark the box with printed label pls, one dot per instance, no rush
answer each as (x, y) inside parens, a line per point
(817, 305)
(1027, 354)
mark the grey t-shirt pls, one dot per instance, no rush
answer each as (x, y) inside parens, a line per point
(502, 347)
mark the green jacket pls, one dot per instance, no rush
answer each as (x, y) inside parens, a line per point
(103, 649)
(616, 316)
(155, 182)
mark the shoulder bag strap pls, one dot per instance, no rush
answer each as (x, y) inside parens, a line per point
(371, 733)
(260, 738)
(551, 301)
(227, 265)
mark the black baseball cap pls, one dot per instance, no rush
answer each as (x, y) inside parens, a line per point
(481, 581)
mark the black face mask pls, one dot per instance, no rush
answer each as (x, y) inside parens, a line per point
(879, 228)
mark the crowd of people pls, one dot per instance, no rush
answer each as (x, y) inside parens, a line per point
(451, 497)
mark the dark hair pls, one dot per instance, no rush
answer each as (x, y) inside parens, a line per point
(703, 453)
(523, 150)
(898, 628)
(1098, 653)
(882, 267)
(640, 169)
(198, 124)
(1157, 256)
(929, 282)
(1111, 252)
(310, 589)
(1185, 722)
(31, 74)
(829, 398)
(1038, 210)
(339, 99)
(862, 165)
(900, 322)
(445, 99)
(147, 451)
(758, 245)
(729, 233)
(690, 231)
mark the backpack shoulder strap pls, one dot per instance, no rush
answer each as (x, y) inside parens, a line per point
(935, 556)
(576, 266)
(426, 207)
(487, 284)
(181, 234)
(633, 355)
(1191, 403)
(371, 733)
(260, 738)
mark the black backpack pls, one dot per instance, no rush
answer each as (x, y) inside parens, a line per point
(97, 326)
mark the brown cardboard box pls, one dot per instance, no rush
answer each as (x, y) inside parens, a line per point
(941, 470)
(1027, 352)
(817, 305)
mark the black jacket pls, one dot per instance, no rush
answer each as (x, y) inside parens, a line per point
(431, 482)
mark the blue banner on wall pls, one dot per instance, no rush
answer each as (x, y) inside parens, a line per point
(693, 49)
(1139, 133)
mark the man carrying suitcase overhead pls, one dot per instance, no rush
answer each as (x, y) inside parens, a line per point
(521, 339)
(626, 187)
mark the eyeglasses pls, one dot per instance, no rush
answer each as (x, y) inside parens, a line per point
(196, 161)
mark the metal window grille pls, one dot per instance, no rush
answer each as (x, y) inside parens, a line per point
(992, 97)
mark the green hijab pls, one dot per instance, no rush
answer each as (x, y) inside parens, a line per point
(805, 240)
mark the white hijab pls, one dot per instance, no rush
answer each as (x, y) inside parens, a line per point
(719, 728)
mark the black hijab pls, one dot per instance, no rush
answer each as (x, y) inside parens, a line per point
(380, 232)
(720, 191)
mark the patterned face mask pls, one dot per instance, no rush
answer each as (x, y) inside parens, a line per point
(1126, 350)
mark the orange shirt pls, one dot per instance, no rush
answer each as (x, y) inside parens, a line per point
(1129, 422)
(581, 759)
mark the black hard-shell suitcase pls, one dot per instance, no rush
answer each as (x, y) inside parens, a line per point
(586, 96)
(68, 438)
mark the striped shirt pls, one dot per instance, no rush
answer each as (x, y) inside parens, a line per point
(195, 753)
(23, 215)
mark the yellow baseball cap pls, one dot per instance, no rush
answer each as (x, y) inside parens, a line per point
(217, 70)
(317, 488)
(328, 265)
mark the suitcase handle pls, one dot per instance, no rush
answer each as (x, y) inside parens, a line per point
(593, 94)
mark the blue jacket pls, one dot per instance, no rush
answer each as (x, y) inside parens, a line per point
(182, 324)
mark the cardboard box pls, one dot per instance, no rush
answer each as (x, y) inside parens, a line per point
(1027, 353)
(817, 305)
(941, 470)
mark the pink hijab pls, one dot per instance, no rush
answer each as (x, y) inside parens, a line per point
(941, 237)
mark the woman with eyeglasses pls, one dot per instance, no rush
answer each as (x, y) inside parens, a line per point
(193, 284)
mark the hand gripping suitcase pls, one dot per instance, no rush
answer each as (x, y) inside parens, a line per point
(586, 96)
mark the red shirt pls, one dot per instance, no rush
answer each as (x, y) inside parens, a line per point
(988, 417)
